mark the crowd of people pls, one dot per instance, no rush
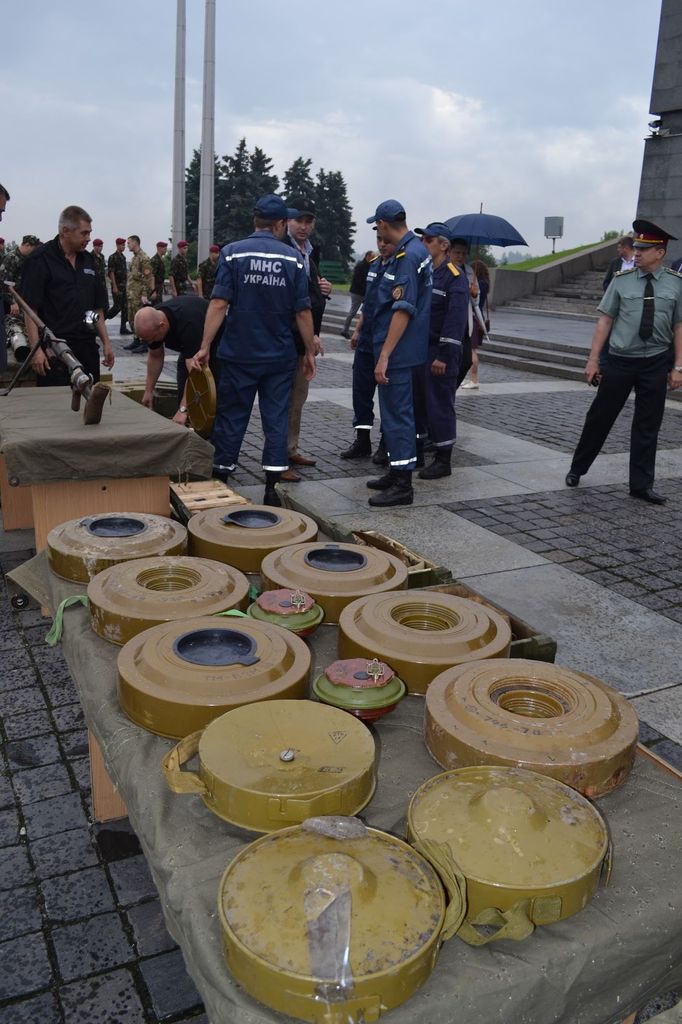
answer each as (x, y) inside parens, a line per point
(254, 317)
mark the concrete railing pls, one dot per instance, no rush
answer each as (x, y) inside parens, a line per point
(513, 284)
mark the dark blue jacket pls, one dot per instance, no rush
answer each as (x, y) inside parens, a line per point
(406, 285)
(449, 311)
(265, 283)
(375, 273)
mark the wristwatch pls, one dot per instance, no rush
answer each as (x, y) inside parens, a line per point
(183, 408)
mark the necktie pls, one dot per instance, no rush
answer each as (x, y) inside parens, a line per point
(646, 324)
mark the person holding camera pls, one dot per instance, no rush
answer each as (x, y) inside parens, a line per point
(60, 282)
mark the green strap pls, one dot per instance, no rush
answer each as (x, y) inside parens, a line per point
(514, 923)
(55, 634)
(233, 611)
(254, 592)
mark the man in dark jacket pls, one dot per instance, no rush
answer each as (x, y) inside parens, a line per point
(358, 284)
(624, 260)
(298, 236)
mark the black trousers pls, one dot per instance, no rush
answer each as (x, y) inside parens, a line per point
(649, 379)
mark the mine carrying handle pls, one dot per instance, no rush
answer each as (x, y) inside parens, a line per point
(179, 781)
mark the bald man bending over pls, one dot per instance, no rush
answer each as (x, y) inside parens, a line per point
(177, 324)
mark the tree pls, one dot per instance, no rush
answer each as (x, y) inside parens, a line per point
(243, 178)
(335, 226)
(192, 187)
(298, 181)
(263, 180)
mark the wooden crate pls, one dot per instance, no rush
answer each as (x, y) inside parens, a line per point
(527, 642)
(420, 571)
(186, 499)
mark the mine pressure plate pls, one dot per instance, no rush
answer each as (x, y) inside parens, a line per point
(176, 678)
(334, 574)
(242, 537)
(521, 848)
(269, 765)
(367, 689)
(290, 609)
(128, 598)
(331, 921)
(201, 400)
(531, 714)
(421, 633)
(79, 549)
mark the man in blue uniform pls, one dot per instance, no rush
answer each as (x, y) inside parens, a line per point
(435, 382)
(364, 384)
(400, 336)
(641, 317)
(262, 286)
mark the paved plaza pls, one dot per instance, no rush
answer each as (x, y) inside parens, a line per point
(83, 940)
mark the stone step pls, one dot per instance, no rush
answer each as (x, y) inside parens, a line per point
(547, 351)
(560, 370)
(563, 314)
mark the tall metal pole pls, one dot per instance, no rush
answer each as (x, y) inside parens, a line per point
(206, 182)
(178, 222)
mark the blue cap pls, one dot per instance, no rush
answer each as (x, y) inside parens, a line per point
(390, 209)
(434, 229)
(272, 207)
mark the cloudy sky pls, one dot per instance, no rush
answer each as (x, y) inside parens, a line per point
(533, 108)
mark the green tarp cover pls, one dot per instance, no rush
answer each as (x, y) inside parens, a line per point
(44, 440)
(593, 968)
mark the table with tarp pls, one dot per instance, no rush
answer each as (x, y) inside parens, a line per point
(623, 949)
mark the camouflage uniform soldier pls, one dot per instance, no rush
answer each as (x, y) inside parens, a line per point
(179, 272)
(13, 263)
(140, 285)
(207, 272)
(158, 263)
(117, 269)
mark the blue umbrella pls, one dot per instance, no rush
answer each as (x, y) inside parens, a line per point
(484, 229)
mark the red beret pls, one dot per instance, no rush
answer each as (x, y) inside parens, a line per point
(214, 248)
(97, 241)
(120, 241)
(164, 244)
(182, 245)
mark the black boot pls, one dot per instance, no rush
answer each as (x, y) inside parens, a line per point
(420, 452)
(440, 465)
(382, 483)
(380, 457)
(271, 497)
(360, 448)
(399, 493)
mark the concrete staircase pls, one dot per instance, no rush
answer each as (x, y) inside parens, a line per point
(577, 299)
(533, 356)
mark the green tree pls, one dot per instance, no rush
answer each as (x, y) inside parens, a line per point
(244, 177)
(335, 227)
(263, 179)
(192, 186)
(298, 181)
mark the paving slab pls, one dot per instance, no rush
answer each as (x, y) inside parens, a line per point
(446, 539)
(497, 446)
(466, 483)
(550, 473)
(597, 631)
(663, 710)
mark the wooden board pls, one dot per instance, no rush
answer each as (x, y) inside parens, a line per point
(187, 499)
(17, 506)
(106, 802)
(58, 502)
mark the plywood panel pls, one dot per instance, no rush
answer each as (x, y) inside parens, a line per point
(17, 506)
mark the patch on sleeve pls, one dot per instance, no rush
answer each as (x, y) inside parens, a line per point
(398, 292)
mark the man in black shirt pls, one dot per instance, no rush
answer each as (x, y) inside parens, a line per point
(60, 282)
(177, 324)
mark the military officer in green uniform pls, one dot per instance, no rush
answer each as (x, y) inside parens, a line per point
(12, 267)
(207, 271)
(117, 269)
(158, 262)
(179, 272)
(140, 285)
(641, 316)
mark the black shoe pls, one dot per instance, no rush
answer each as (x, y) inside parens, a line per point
(124, 330)
(361, 447)
(399, 493)
(131, 344)
(572, 479)
(380, 457)
(138, 349)
(440, 465)
(222, 472)
(272, 498)
(648, 495)
(345, 334)
(382, 483)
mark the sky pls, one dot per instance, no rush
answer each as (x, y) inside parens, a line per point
(534, 108)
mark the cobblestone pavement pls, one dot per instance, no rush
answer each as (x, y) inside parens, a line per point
(83, 938)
